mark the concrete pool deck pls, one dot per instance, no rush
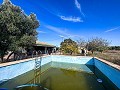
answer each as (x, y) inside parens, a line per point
(108, 63)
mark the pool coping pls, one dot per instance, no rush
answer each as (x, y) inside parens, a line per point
(19, 61)
(115, 66)
(29, 59)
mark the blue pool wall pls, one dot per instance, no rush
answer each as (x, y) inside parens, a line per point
(11, 71)
(14, 70)
(112, 73)
(73, 59)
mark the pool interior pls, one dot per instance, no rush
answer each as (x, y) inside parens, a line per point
(62, 76)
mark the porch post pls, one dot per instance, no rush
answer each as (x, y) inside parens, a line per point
(45, 50)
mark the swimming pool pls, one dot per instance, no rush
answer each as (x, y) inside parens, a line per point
(62, 73)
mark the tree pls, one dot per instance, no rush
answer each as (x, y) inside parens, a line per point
(17, 29)
(114, 47)
(81, 43)
(69, 46)
(97, 44)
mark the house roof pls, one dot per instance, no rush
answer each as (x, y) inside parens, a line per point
(38, 43)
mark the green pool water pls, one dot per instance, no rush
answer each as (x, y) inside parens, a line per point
(62, 76)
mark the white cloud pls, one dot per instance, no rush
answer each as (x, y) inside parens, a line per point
(40, 31)
(63, 32)
(112, 29)
(72, 19)
(77, 4)
(61, 36)
(57, 30)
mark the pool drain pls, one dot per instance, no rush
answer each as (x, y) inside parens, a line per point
(99, 80)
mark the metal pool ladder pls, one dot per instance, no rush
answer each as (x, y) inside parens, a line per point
(37, 76)
(37, 69)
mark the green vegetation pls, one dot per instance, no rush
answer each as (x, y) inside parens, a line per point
(68, 46)
(17, 30)
(94, 44)
(97, 47)
(97, 44)
(114, 47)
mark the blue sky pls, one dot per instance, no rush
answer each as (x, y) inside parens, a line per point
(75, 19)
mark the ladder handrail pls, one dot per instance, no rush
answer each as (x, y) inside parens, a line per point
(37, 69)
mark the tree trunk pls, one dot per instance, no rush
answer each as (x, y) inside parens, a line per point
(14, 57)
(92, 52)
(9, 56)
(2, 58)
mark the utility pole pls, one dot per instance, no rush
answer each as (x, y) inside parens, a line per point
(62, 37)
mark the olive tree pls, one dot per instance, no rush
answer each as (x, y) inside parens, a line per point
(17, 29)
(97, 44)
(68, 46)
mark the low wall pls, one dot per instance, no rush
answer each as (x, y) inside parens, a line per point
(111, 72)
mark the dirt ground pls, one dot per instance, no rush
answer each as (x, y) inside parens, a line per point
(110, 55)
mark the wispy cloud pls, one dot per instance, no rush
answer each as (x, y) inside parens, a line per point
(110, 30)
(61, 36)
(71, 18)
(39, 31)
(57, 30)
(77, 4)
(63, 32)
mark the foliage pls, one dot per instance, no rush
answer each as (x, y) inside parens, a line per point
(69, 46)
(17, 30)
(114, 47)
(97, 44)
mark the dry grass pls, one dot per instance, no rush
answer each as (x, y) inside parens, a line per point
(111, 55)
